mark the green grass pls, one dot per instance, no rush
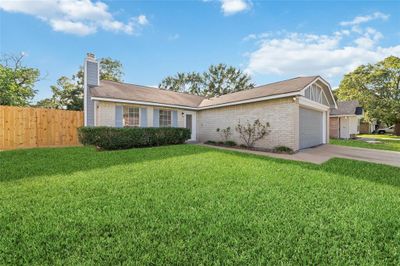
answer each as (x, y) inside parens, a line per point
(390, 145)
(194, 205)
(379, 136)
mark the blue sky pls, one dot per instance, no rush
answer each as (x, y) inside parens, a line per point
(271, 40)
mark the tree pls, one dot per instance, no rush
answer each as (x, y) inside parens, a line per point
(184, 82)
(17, 81)
(218, 80)
(250, 133)
(68, 92)
(377, 88)
(66, 95)
(111, 69)
(222, 79)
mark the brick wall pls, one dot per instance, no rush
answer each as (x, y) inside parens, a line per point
(105, 114)
(282, 115)
(334, 127)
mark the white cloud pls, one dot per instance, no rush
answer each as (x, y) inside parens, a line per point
(79, 17)
(294, 54)
(230, 7)
(142, 20)
(77, 28)
(363, 19)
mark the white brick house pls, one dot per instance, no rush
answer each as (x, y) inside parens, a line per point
(296, 109)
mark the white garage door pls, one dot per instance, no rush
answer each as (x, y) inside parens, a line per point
(311, 128)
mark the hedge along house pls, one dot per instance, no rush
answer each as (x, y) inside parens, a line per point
(296, 109)
(344, 121)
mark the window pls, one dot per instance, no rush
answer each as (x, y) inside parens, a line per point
(165, 118)
(131, 116)
(316, 94)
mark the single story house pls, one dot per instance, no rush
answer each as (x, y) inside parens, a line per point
(344, 121)
(296, 109)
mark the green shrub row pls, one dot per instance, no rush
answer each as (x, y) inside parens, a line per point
(109, 138)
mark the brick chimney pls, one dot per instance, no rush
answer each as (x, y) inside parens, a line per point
(91, 78)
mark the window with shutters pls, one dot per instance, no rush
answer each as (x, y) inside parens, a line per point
(165, 118)
(131, 116)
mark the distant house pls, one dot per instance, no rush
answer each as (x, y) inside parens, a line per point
(344, 121)
(296, 109)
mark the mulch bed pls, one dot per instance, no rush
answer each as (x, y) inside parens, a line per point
(237, 147)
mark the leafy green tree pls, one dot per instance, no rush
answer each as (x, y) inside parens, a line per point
(17, 81)
(66, 95)
(377, 88)
(68, 92)
(111, 69)
(184, 82)
(222, 79)
(217, 80)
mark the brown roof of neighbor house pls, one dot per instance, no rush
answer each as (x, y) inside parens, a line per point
(347, 108)
(124, 91)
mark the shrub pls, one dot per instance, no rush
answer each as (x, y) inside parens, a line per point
(230, 143)
(252, 132)
(283, 149)
(220, 143)
(210, 142)
(225, 133)
(109, 138)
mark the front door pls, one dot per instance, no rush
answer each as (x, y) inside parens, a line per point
(189, 125)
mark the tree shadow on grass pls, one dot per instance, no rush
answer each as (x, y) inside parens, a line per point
(378, 173)
(20, 164)
(373, 172)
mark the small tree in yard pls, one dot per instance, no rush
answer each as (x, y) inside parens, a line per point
(225, 133)
(252, 132)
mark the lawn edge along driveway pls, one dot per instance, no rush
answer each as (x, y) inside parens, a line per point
(324, 153)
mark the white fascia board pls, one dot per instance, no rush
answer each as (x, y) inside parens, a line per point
(143, 103)
(198, 108)
(312, 105)
(278, 96)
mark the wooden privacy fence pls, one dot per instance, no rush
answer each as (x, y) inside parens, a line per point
(26, 127)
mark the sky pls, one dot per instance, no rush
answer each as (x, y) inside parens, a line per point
(270, 40)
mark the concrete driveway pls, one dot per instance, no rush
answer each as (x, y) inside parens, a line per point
(323, 153)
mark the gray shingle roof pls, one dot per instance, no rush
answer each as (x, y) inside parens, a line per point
(346, 108)
(124, 91)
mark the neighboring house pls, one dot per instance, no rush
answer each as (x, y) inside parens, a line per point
(296, 109)
(344, 121)
(368, 127)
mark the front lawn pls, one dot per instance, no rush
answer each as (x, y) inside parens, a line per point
(390, 145)
(195, 205)
(379, 136)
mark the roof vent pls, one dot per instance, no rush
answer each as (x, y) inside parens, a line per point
(359, 111)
